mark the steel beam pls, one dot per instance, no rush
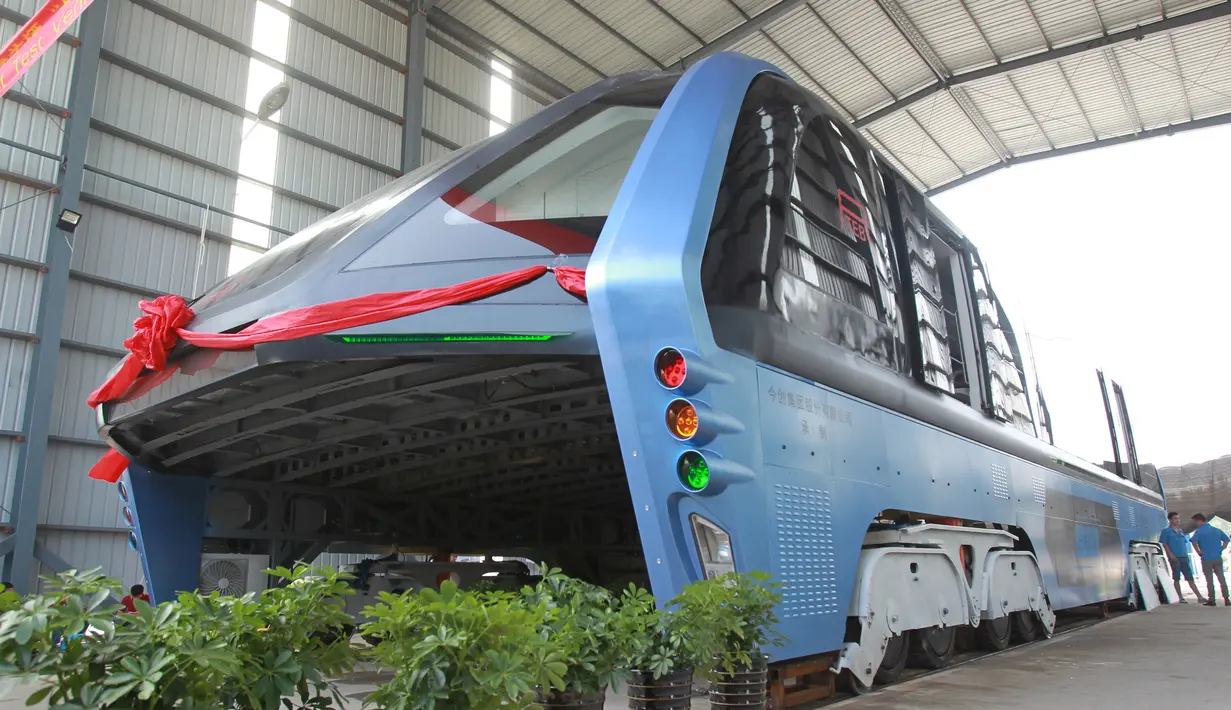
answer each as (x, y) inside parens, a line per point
(412, 95)
(913, 37)
(449, 26)
(517, 20)
(743, 31)
(1219, 120)
(53, 289)
(1205, 14)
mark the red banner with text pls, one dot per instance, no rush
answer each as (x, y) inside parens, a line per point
(36, 37)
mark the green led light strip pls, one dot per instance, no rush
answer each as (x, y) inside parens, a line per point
(444, 338)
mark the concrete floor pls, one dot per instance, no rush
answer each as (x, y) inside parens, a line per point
(1174, 656)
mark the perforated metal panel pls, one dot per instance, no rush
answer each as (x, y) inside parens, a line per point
(805, 551)
(1000, 481)
(1040, 490)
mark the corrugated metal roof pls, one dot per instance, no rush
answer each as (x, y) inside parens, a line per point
(1068, 84)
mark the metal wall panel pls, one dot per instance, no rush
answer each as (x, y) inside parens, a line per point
(452, 121)
(458, 74)
(341, 123)
(433, 150)
(18, 298)
(524, 107)
(361, 22)
(33, 128)
(344, 68)
(496, 26)
(233, 18)
(24, 225)
(1202, 52)
(72, 498)
(163, 115)
(8, 461)
(123, 248)
(950, 33)
(98, 315)
(153, 41)
(94, 548)
(15, 382)
(292, 215)
(157, 170)
(320, 175)
(77, 374)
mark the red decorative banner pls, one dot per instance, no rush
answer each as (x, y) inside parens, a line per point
(36, 37)
(163, 326)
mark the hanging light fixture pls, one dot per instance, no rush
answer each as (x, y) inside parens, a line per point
(68, 221)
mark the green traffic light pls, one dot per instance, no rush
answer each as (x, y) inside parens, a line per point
(693, 471)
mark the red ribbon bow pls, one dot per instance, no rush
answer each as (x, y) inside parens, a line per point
(156, 332)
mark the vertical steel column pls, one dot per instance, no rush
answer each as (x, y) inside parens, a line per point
(32, 459)
(412, 97)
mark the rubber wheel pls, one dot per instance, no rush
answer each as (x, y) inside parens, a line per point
(853, 684)
(995, 634)
(1026, 627)
(934, 647)
(894, 661)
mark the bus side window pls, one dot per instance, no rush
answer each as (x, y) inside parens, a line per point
(797, 247)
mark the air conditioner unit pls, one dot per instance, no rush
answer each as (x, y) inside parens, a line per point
(233, 575)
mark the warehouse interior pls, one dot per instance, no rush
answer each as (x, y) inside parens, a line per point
(160, 145)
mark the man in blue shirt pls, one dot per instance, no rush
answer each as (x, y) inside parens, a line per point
(1179, 552)
(1209, 542)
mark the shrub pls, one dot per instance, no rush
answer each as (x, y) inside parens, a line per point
(256, 651)
(582, 622)
(455, 650)
(661, 640)
(740, 608)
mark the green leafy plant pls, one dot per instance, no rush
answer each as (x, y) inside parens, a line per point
(257, 651)
(661, 640)
(582, 621)
(740, 609)
(456, 650)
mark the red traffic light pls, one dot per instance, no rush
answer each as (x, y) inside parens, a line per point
(670, 367)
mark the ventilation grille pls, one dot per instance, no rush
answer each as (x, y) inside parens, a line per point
(805, 551)
(1132, 515)
(1040, 490)
(1115, 510)
(1000, 481)
(228, 577)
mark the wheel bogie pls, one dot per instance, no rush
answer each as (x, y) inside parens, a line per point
(934, 647)
(893, 663)
(916, 586)
(995, 634)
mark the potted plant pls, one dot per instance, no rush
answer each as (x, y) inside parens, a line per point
(248, 652)
(740, 609)
(582, 622)
(456, 650)
(663, 646)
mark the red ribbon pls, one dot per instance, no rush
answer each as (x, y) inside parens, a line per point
(36, 37)
(163, 325)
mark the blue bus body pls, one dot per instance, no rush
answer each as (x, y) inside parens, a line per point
(801, 463)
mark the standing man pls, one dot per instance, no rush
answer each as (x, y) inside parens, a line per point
(1209, 542)
(1179, 551)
